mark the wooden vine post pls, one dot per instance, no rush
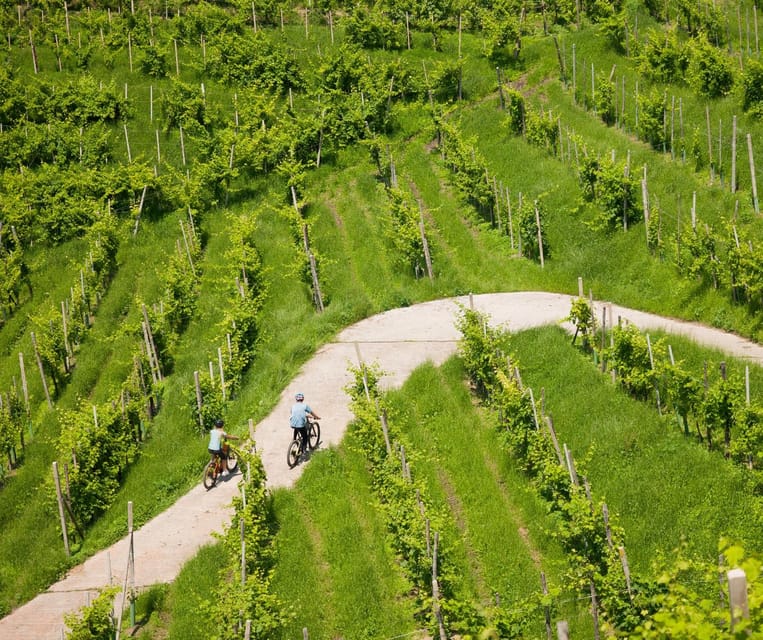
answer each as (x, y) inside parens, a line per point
(222, 373)
(425, 247)
(42, 370)
(436, 589)
(645, 203)
(733, 182)
(24, 386)
(626, 569)
(153, 355)
(317, 296)
(199, 400)
(546, 608)
(752, 175)
(540, 236)
(61, 514)
(129, 574)
(737, 581)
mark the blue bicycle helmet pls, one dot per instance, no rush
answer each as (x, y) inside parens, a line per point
(299, 397)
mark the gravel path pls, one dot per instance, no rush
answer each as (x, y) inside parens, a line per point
(399, 340)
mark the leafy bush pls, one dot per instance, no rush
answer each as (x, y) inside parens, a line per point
(515, 109)
(710, 70)
(581, 315)
(529, 216)
(372, 29)
(152, 61)
(651, 128)
(94, 621)
(542, 130)
(752, 88)
(604, 100)
(99, 453)
(662, 57)
(501, 30)
(617, 192)
(405, 233)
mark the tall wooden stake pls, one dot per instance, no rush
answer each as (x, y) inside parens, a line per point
(42, 371)
(752, 175)
(61, 514)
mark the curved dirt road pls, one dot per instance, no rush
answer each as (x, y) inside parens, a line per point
(399, 340)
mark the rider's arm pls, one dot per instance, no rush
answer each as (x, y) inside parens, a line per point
(315, 415)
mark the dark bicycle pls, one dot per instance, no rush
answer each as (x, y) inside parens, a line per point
(296, 450)
(216, 465)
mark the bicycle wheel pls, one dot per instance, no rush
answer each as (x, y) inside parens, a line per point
(314, 435)
(210, 475)
(292, 453)
(232, 461)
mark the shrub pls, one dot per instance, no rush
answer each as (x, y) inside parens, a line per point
(710, 71)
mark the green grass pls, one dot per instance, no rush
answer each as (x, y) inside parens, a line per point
(361, 275)
(335, 566)
(503, 533)
(665, 488)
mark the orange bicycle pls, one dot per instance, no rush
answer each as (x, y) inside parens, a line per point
(217, 465)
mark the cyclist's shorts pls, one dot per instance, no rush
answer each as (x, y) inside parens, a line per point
(216, 452)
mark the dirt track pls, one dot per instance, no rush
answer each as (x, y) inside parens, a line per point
(399, 340)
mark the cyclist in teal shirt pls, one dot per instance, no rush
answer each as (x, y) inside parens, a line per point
(216, 437)
(298, 419)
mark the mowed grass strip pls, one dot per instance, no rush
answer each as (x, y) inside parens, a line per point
(27, 500)
(663, 487)
(504, 534)
(335, 566)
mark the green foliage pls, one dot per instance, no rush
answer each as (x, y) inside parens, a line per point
(94, 621)
(604, 100)
(12, 419)
(662, 57)
(403, 498)
(240, 324)
(373, 29)
(542, 130)
(652, 107)
(614, 30)
(710, 71)
(254, 61)
(630, 357)
(481, 348)
(752, 88)
(153, 61)
(235, 599)
(611, 186)
(99, 449)
(405, 232)
(747, 446)
(515, 118)
(445, 81)
(184, 106)
(684, 611)
(530, 216)
(502, 30)
(697, 256)
(469, 173)
(212, 406)
(581, 315)
(13, 273)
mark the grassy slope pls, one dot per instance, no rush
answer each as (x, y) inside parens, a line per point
(665, 487)
(347, 232)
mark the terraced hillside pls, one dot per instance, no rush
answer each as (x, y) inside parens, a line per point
(211, 192)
